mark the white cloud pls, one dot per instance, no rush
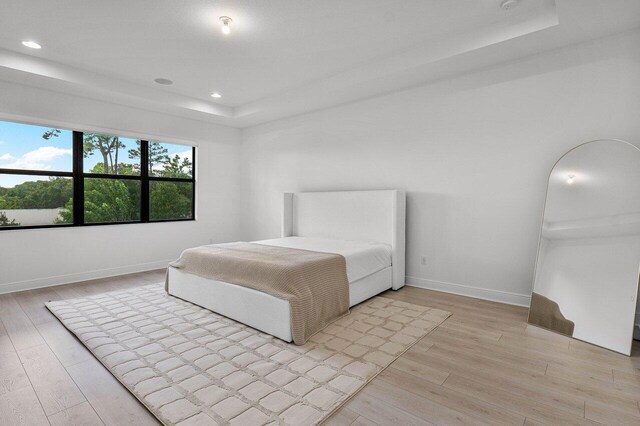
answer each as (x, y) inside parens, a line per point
(39, 158)
(6, 157)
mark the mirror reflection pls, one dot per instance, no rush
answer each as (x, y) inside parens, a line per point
(588, 264)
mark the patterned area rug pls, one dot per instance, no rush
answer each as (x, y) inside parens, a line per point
(190, 366)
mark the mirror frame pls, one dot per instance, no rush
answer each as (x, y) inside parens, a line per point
(544, 209)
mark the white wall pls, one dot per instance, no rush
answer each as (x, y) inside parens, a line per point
(474, 154)
(35, 258)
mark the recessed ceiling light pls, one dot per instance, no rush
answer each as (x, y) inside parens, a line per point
(31, 44)
(216, 95)
(226, 21)
(571, 179)
(163, 81)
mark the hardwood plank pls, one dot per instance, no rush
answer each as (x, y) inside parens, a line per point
(603, 356)
(534, 343)
(8, 303)
(80, 415)
(479, 333)
(12, 375)
(604, 414)
(421, 370)
(537, 355)
(363, 421)
(64, 345)
(421, 407)
(93, 287)
(492, 353)
(630, 379)
(531, 422)
(67, 291)
(55, 389)
(480, 360)
(472, 407)
(19, 327)
(487, 324)
(111, 401)
(5, 342)
(344, 417)
(32, 303)
(504, 380)
(621, 390)
(21, 407)
(374, 409)
(624, 403)
(530, 406)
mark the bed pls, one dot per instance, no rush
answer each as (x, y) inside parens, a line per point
(366, 227)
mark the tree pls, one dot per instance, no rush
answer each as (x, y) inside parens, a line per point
(177, 167)
(157, 154)
(40, 194)
(109, 148)
(107, 200)
(4, 220)
(170, 200)
(53, 133)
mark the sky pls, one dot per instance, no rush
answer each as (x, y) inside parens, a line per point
(22, 147)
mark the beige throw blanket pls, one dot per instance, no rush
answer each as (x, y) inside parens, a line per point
(315, 284)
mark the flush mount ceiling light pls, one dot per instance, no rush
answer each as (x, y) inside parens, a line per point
(31, 44)
(163, 81)
(571, 179)
(509, 4)
(216, 95)
(226, 21)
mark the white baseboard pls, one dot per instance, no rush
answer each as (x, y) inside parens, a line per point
(81, 276)
(476, 292)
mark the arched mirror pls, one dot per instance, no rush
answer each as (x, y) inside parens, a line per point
(587, 270)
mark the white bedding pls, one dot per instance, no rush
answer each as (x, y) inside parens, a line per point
(362, 258)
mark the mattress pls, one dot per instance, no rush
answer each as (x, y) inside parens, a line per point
(362, 258)
(256, 309)
(368, 269)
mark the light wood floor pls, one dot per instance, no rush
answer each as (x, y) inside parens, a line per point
(484, 365)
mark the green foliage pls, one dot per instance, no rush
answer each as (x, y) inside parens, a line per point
(170, 200)
(41, 194)
(175, 168)
(4, 220)
(53, 133)
(108, 200)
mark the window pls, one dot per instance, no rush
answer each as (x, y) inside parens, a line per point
(171, 183)
(36, 185)
(53, 177)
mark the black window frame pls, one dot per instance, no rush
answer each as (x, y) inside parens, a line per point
(78, 175)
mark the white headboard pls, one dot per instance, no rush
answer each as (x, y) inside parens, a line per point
(377, 216)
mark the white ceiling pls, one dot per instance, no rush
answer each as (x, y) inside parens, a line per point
(283, 57)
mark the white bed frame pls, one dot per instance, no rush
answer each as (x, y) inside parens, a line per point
(375, 216)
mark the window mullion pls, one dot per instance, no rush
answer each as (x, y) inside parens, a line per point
(193, 186)
(144, 175)
(78, 179)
